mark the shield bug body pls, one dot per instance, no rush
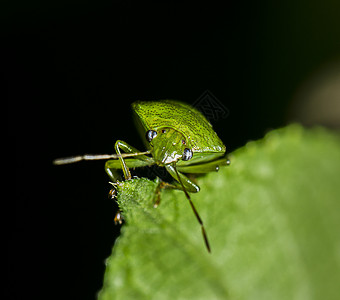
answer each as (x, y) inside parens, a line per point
(178, 137)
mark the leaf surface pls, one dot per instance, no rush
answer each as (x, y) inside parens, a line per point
(272, 218)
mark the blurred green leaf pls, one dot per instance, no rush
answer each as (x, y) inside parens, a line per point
(272, 218)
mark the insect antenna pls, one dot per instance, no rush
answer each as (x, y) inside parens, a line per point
(205, 237)
(74, 159)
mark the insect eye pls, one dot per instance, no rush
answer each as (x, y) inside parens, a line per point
(150, 135)
(187, 154)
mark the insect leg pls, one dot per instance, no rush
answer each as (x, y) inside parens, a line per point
(112, 166)
(121, 145)
(210, 166)
(185, 181)
(126, 171)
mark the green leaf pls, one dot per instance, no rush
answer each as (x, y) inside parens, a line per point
(272, 218)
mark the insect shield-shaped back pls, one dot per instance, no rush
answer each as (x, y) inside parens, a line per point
(198, 132)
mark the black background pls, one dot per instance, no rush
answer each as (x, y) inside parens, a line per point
(72, 70)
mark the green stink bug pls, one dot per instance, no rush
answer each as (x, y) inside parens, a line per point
(178, 137)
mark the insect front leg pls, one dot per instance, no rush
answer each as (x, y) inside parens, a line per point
(121, 144)
(112, 166)
(111, 169)
(140, 160)
(187, 183)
